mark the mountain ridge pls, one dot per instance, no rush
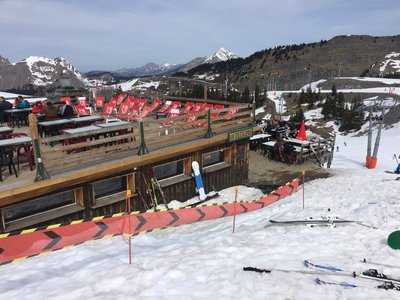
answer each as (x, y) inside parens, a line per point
(151, 69)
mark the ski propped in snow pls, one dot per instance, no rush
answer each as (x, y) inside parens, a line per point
(200, 186)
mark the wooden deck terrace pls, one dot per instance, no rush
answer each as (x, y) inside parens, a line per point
(75, 158)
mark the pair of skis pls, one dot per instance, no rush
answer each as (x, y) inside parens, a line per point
(151, 191)
(385, 282)
(323, 221)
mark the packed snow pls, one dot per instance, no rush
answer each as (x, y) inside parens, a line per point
(126, 85)
(205, 260)
(206, 76)
(313, 86)
(373, 79)
(314, 114)
(145, 85)
(278, 99)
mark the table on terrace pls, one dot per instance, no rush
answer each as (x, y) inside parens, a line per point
(17, 116)
(297, 142)
(53, 127)
(87, 119)
(7, 150)
(84, 129)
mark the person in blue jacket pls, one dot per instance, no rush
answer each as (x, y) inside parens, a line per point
(22, 103)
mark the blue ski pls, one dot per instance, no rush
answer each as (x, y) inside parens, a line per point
(198, 181)
(309, 264)
(342, 284)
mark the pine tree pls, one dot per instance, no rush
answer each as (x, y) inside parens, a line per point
(334, 90)
(257, 95)
(302, 98)
(340, 104)
(328, 108)
(299, 116)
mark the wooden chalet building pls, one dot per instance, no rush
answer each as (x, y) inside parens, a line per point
(84, 174)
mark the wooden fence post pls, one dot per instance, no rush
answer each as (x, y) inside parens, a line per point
(41, 172)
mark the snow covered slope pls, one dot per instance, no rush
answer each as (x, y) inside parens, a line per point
(391, 64)
(205, 260)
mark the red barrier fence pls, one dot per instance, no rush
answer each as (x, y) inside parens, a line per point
(31, 242)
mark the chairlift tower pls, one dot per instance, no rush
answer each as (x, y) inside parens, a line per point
(371, 159)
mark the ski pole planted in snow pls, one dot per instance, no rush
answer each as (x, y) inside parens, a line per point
(234, 210)
(128, 210)
(303, 178)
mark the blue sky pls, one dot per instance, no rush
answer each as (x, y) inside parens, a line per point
(99, 34)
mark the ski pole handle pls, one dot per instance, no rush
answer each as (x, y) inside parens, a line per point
(252, 269)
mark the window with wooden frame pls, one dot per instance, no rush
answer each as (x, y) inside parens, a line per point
(111, 190)
(173, 172)
(241, 153)
(42, 209)
(212, 158)
(216, 160)
(169, 169)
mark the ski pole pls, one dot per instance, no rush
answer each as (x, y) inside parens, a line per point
(303, 175)
(128, 208)
(234, 210)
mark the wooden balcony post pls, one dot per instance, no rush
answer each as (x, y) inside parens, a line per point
(142, 147)
(41, 172)
(209, 133)
(254, 111)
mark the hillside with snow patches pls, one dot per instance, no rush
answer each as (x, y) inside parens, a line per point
(390, 64)
(205, 260)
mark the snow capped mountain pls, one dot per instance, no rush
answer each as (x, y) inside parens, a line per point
(45, 70)
(4, 61)
(221, 54)
(151, 69)
(147, 69)
(37, 71)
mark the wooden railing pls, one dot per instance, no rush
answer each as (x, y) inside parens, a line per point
(69, 152)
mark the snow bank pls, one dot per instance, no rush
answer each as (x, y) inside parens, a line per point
(314, 86)
(373, 79)
(278, 99)
(314, 114)
(126, 85)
